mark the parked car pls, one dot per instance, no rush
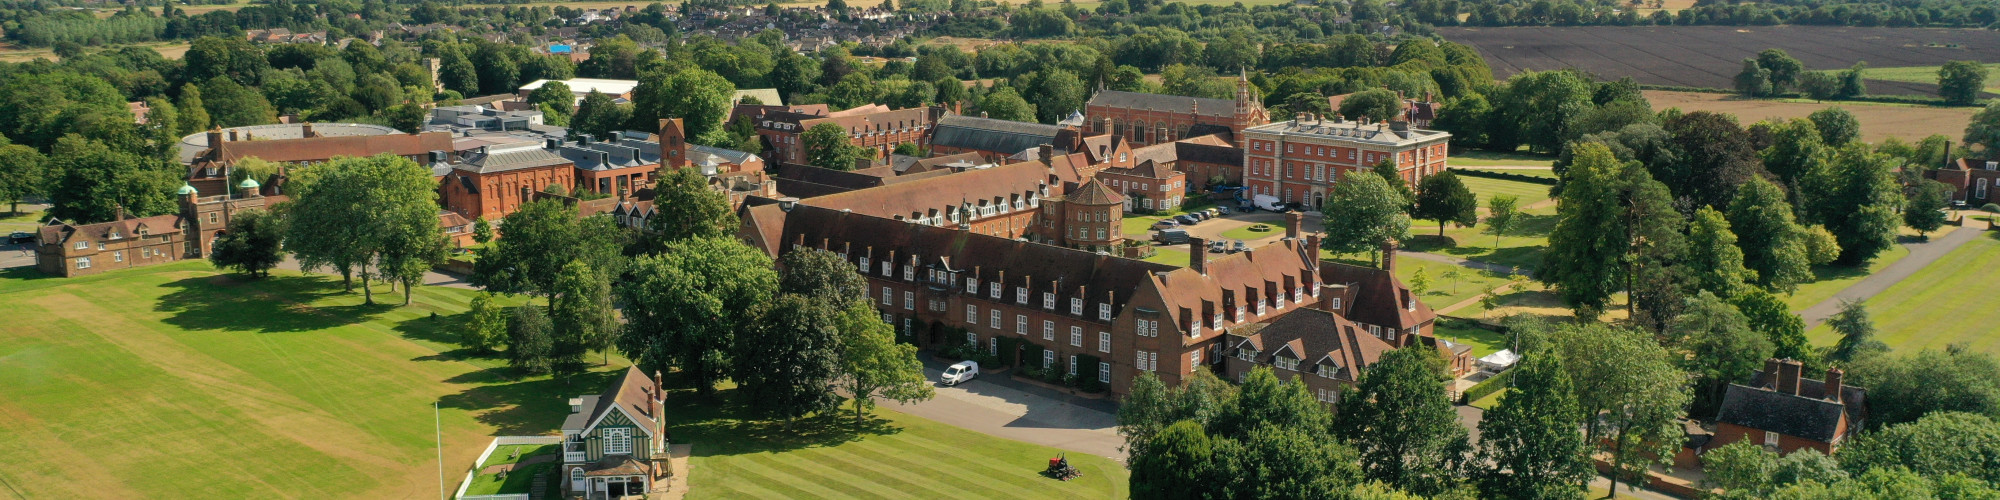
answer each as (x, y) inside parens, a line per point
(1239, 246)
(1165, 224)
(963, 371)
(1171, 236)
(1186, 219)
(1218, 246)
(1214, 212)
(20, 237)
(1198, 215)
(1220, 211)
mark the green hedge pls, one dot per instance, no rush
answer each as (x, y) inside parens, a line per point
(1546, 181)
(1487, 387)
(1086, 373)
(1010, 351)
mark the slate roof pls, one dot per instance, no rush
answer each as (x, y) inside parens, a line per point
(509, 159)
(1791, 415)
(1221, 108)
(63, 232)
(632, 393)
(321, 148)
(987, 134)
(921, 196)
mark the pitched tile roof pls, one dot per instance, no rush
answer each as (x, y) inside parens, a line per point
(918, 198)
(1261, 272)
(1100, 277)
(1808, 414)
(1315, 338)
(321, 148)
(1379, 298)
(633, 394)
(1094, 193)
(1223, 108)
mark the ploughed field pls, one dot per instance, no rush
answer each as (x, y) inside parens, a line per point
(1710, 56)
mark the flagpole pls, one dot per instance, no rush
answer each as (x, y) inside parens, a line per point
(438, 425)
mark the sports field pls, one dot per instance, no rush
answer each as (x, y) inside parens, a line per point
(1951, 301)
(1910, 123)
(892, 455)
(180, 382)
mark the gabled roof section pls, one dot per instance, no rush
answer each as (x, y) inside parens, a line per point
(1004, 137)
(1379, 298)
(632, 396)
(1791, 415)
(920, 196)
(1319, 337)
(320, 148)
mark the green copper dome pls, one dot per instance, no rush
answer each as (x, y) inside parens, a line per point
(185, 190)
(249, 184)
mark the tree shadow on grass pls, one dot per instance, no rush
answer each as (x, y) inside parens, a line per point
(522, 406)
(444, 330)
(271, 304)
(730, 426)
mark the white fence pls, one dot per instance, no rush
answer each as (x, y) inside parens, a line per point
(498, 442)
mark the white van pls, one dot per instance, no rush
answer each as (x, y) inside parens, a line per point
(963, 371)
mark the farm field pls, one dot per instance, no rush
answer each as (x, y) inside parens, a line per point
(1710, 56)
(1929, 74)
(1878, 121)
(1940, 305)
(14, 53)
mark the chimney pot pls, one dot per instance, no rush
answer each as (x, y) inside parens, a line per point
(1294, 221)
(1833, 387)
(1389, 256)
(1198, 255)
(1788, 376)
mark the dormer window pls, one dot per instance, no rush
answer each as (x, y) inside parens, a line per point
(887, 268)
(863, 265)
(1412, 305)
(909, 273)
(82, 245)
(1021, 295)
(993, 290)
(1048, 301)
(1246, 354)
(1260, 308)
(1076, 306)
(1336, 302)
(1104, 311)
(971, 285)
(1286, 363)
(1325, 371)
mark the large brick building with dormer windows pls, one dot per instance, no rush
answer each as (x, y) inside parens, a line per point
(1300, 160)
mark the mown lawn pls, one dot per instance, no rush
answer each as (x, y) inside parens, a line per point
(1521, 246)
(1952, 301)
(1483, 341)
(1490, 159)
(890, 455)
(517, 481)
(1830, 280)
(177, 381)
(1526, 193)
(1443, 292)
(1246, 233)
(1549, 173)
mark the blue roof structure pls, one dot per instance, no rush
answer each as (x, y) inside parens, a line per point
(559, 49)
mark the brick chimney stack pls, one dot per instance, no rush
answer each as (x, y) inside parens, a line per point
(1788, 376)
(1294, 222)
(1389, 256)
(1198, 255)
(1833, 376)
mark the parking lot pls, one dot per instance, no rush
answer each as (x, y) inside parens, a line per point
(1233, 227)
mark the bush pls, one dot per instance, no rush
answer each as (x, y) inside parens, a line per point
(1547, 181)
(1086, 373)
(1489, 386)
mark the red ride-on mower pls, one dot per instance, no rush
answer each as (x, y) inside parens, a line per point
(1060, 469)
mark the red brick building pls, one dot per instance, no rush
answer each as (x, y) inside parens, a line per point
(1090, 217)
(494, 180)
(209, 170)
(1147, 186)
(1786, 412)
(1201, 158)
(875, 127)
(1300, 160)
(1147, 119)
(1092, 315)
(1975, 182)
(64, 249)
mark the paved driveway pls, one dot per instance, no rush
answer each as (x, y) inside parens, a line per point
(1000, 406)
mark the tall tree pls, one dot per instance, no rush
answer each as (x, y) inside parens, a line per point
(827, 146)
(485, 324)
(1960, 82)
(1713, 157)
(1403, 426)
(1857, 333)
(1924, 211)
(1059, 93)
(1005, 103)
(790, 357)
(1774, 246)
(536, 241)
(685, 304)
(1374, 104)
(874, 365)
(700, 98)
(234, 105)
(1720, 345)
(1443, 198)
(1180, 464)
(1743, 469)
(1501, 215)
(1614, 226)
(1837, 127)
(251, 244)
(530, 341)
(23, 172)
(1530, 443)
(1627, 382)
(1364, 214)
(689, 208)
(1753, 80)
(580, 311)
(90, 182)
(1856, 199)
(1936, 445)
(1767, 314)
(1713, 256)
(598, 116)
(1853, 81)
(1784, 69)
(193, 114)
(1984, 129)
(402, 205)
